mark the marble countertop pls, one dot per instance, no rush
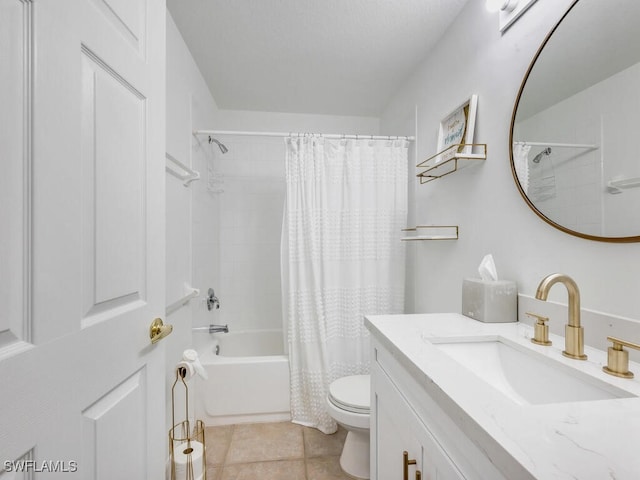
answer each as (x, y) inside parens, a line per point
(597, 439)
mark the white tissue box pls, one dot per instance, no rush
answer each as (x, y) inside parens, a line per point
(490, 301)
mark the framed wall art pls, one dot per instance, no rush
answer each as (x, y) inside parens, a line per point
(457, 129)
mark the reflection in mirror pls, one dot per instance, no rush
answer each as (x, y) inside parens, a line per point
(577, 117)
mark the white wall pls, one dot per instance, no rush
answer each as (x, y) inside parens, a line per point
(248, 185)
(188, 102)
(473, 57)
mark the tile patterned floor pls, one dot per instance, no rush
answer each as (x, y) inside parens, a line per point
(273, 451)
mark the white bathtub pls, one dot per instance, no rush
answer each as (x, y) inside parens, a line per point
(248, 379)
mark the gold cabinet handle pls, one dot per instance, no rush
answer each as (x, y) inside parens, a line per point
(618, 358)
(418, 475)
(405, 465)
(159, 330)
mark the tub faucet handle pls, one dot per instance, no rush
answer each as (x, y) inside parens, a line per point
(212, 300)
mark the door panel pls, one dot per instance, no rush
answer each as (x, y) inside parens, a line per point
(128, 18)
(111, 426)
(19, 472)
(114, 218)
(85, 202)
(15, 130)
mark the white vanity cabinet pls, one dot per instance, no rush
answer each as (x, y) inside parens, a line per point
(397, 430)
(457, 416)
(405, 418)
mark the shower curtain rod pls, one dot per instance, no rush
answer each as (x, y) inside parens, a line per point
(558, 145)
(298, 134)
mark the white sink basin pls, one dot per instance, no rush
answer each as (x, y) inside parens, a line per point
(524, 375)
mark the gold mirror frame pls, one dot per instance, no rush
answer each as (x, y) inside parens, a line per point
(513, 168)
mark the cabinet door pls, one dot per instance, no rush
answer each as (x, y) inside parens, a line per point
(394, 435)
(395, 429)
(436, 464)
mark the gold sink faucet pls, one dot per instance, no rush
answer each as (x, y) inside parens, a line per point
(574, 332)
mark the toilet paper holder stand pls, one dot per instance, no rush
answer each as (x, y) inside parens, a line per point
(186, 444)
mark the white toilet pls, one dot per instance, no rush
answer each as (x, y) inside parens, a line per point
(349, 404)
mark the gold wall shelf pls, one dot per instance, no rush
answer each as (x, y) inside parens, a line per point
(431, 232)
(450, 160)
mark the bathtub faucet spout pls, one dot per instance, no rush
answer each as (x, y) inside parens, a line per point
(218, 328)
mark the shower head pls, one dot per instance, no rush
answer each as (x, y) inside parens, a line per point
(546, 151)
(222, 147)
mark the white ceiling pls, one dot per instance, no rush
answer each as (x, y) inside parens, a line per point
(337, 57)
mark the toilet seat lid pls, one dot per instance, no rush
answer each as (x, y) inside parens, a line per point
(352, 393)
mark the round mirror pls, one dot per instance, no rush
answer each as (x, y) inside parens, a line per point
(575, 123)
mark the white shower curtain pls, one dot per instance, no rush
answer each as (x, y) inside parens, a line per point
(342, 258)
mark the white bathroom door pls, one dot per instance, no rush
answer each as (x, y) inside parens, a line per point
(82, 239)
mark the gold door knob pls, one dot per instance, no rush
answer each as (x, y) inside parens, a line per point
(405, 465)
(159, 330)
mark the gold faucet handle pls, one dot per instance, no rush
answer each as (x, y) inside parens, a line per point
(540, 330)
(540, 318)
(618, 358)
